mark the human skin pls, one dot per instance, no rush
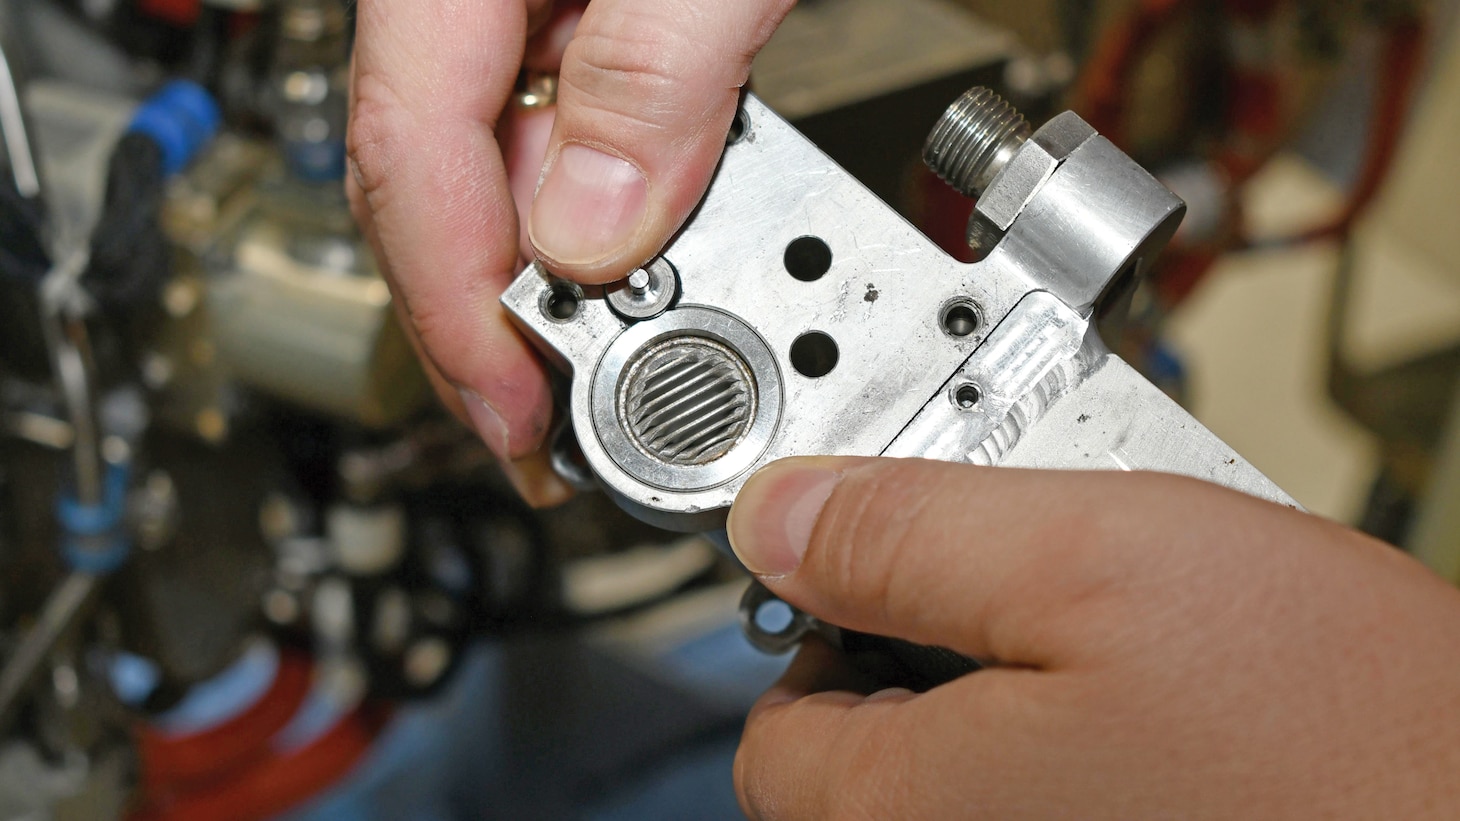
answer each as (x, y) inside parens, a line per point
(1163, 648)
(443, 170)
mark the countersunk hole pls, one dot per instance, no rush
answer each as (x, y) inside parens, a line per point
(808, 259)
(813, 354)
(960, 318)
(738, 127)
(774, 617)
(561, 300)
(967, 396)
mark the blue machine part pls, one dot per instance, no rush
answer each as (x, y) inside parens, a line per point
(181, 118)
(94, 537)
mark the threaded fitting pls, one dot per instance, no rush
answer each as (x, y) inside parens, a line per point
(974, 139)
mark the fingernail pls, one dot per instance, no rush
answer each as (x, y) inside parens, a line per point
(775, 513)
(536, 481)
(488, 422)
(890, 694)
(589, 205)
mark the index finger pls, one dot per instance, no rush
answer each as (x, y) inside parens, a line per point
(431, 78)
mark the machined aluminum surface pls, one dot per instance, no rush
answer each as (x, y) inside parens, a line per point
(1016, 376)
(685, 402)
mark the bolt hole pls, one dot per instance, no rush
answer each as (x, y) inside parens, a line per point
(814, 354)
(560, 302)
(738, 127)
(960, 318)
(967, 397)
(808, 259)
(774, 617)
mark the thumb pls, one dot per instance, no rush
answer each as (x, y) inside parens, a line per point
(1024, 567)
(646, 95)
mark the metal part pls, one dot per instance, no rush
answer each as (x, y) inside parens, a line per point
(687, 401)
(756, 607)
(317, 330)
(645, 293)
(644, 426)
(974, 140)
(1017, 377)
(66, 605)
(15, 131)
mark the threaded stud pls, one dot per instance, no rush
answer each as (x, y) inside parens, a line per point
(974, 139)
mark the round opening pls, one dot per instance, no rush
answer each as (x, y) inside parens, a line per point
(774, 617)
(967, 396)
(960, 319)
(808, 259)
(813, 354)
(738, 127)
(560, 301)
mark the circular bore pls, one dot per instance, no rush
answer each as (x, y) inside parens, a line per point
(960, 318)
(967, 397)
(814, 354)
(687, 400)
(561, 300)
(738, 127)
(807, 258)
(619, 373)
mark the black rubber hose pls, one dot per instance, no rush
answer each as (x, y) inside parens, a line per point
(130, 255)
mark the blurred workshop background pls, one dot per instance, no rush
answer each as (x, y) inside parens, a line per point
(249, 569)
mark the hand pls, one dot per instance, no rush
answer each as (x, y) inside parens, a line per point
(1165, 648)
(442, 170)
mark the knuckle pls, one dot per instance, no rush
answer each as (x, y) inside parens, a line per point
(375, 135)
(621, 78)
(640, 73)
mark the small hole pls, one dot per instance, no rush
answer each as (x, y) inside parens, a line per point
(967, 396)
(774, 617)
(808, 259)
(813, 354)
(560, 302)
(960, 319)
(738, 127)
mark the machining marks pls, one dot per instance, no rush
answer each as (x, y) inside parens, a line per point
(687, 400)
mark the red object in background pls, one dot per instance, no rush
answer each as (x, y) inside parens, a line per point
(170, 761)
(180, 13)
(1255, 122)
(235, 771)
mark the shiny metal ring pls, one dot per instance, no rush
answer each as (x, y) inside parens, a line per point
(536, 89)
(721, 329)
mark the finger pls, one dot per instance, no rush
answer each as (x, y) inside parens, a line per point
(431, 78)
(782, 761)
(546, 45)
(817, 668)
(984, 746)
(526, 134)
(1024, 567)
(526, 129)
(647, 93)
(532, 475)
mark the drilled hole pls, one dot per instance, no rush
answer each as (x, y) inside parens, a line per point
(738, 127)
(967, 396)
(808, 259)
(774, 617)
(561, 300)
(960, 319)
(814, 354)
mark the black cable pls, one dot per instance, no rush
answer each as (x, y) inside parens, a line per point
(23, 263)
(130, 257)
